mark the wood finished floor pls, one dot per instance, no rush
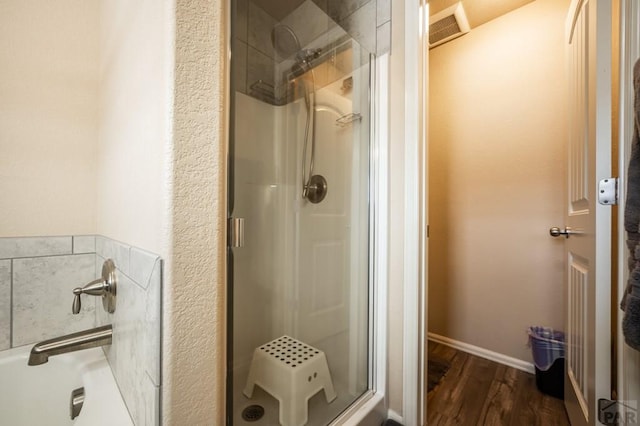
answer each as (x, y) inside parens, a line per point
(476, 391)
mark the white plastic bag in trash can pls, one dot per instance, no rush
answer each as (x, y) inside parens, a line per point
(547, 345)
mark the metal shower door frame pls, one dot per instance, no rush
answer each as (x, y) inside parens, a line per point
(370, 405)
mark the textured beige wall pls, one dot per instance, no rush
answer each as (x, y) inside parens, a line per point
(497, 148)
(48, 117)
(136, 64)
(125, 100)
(162, 178)
(194, 310)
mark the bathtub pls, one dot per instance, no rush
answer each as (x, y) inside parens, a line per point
(40, 395)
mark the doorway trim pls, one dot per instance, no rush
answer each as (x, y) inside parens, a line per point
(416, 214)
(408, 213)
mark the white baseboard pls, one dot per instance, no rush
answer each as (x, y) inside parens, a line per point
(392, 415)
(483, 353)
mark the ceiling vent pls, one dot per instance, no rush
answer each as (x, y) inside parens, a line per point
(447, 25)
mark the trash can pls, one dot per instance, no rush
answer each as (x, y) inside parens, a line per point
(547, 346)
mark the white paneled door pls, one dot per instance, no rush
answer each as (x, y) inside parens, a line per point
(588, 242)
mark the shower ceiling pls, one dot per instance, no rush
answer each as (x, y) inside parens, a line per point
(479, 11)
(279, 9)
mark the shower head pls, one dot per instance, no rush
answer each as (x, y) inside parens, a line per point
(286, 44)
(284, 41)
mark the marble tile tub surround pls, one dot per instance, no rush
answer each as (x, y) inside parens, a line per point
(5, 304)
(367, 21)
(135, 355)
(37, 276)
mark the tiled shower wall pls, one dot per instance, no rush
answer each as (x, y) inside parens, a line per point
(134, 356)
(37, 276)
(367, 21)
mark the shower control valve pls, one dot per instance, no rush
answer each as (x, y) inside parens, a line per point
(316, 189)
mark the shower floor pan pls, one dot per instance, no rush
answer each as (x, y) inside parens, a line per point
(320, 412)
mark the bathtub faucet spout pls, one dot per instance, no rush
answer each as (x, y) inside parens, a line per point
(86, 339)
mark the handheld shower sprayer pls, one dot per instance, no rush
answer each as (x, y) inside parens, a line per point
(286, 44)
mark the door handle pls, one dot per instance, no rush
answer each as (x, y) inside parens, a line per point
(556, 232)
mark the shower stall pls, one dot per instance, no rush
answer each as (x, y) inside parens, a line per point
(299, 270)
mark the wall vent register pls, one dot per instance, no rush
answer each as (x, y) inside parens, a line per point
(448, 24)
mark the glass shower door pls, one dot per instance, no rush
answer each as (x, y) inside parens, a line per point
(299, 178)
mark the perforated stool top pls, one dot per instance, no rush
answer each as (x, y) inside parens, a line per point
(290, 351)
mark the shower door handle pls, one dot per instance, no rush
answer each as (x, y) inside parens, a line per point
(236, 232)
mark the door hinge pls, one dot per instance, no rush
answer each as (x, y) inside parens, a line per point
(608, 191)
(236, 232)
(617, 412)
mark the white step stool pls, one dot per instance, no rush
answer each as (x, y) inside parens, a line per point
(292, 372)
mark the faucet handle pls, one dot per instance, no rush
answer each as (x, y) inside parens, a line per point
(104, 286)
(96, 288)
(77, 305)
